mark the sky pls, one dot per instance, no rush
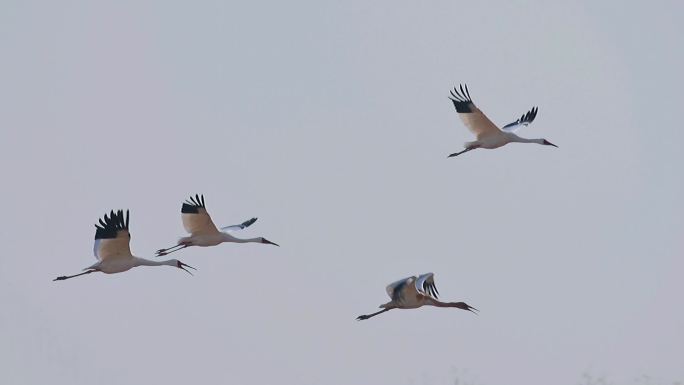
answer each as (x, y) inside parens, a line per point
(329, 121)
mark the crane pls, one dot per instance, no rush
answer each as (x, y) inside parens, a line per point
(203, 232)
(488, 135)
(412, 293)
(112, 249)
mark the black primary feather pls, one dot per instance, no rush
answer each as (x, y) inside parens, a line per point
(462, 101)
(525, 119)
(110, 225)
(192, 206)
(430, 289)
(247, 223)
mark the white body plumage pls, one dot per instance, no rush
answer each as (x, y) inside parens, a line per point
(488, 135)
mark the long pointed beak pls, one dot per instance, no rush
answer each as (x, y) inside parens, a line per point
(183, 266)
(546, 142)
(266, 241)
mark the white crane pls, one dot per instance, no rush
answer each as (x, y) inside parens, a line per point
(488, 134)
(202, 230)
(412, 293)
(113, 252)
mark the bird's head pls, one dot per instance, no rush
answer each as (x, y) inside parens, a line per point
(183, 266)
(547, 143)
(464, 306)
(266, 241)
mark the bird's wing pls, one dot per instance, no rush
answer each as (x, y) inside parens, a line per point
(425, 284)
(241, 226)
(476, 121)
(524, 120)
(112, 239)
(196, 220)
(397, 291)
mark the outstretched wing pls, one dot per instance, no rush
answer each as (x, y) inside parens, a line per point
(397, 291)
(241, 226)
(425, 285)
(524, 120)
(476, 121)
(196, 220)
(112, 239)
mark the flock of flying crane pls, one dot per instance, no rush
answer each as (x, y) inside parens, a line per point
(112, 238)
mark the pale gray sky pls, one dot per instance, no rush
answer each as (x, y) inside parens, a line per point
(330, 122)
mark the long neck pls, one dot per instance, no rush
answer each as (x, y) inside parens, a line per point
(518, 139)
(229, 238)
(459, 305)
(147, 262)
(438, 303)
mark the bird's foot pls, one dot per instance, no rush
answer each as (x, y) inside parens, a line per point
(362, 317)
(59, 278)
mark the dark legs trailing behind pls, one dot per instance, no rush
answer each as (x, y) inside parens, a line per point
(367, 316)
(463, 152)
(72, 276)
(170, 250)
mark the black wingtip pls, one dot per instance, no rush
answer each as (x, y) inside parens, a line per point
(461, 99)
(248, 222)
(110, 224)
(189, 208)
(192, 205)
